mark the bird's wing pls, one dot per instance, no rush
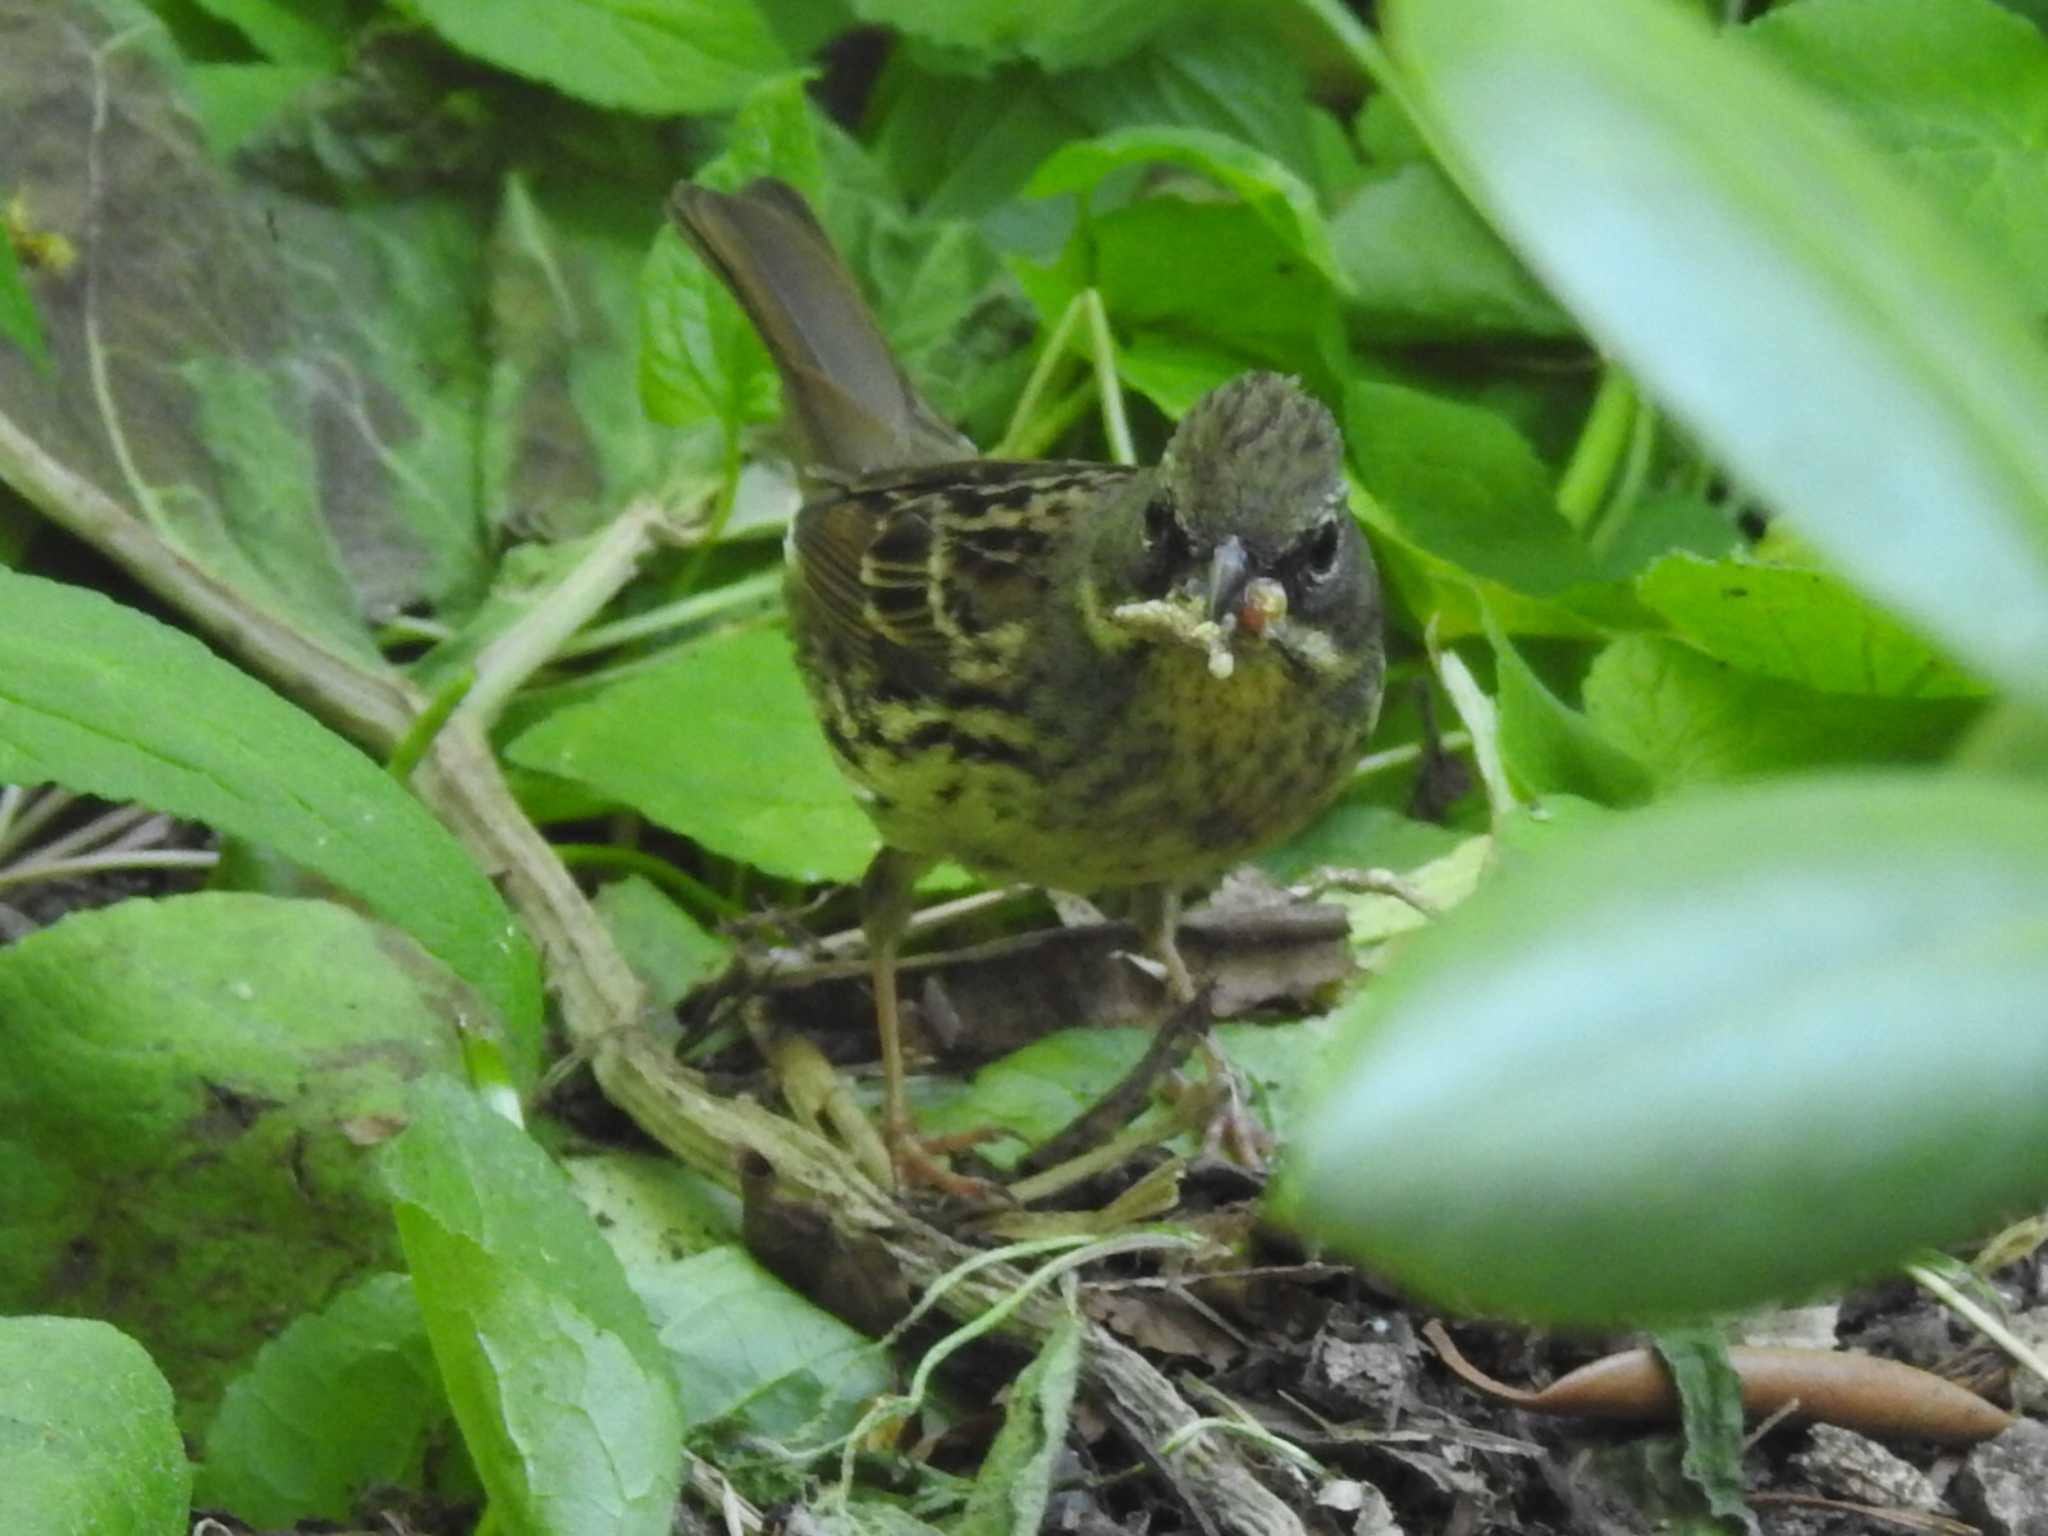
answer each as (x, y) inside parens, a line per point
(934, 558)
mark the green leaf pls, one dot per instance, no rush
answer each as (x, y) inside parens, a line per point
(1251, 295)
(667, 948)
(1551, 747)
(236, 103)
(18, 322)
(745, 1346)
(1460, 482)
(1691, 719)
(1284, 203)
(651, 56)
(549, 1361)
(565, 441)
(87, 1441)
(1805, 626)
(1035, 1091)
(1761, 271)
(1015, 1480)
(1710, 1409)
(1701, 1056)
(717, 743)
(1355, 833)
(344, 1401)
(1060, 34)
(1952, 92)
(189, 1085)
(311, 32)
(700, 359)
(180, 389)
(1420, 262)
(82, 704)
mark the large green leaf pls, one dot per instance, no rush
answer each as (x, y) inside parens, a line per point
(87, 1442)
(1760, 269)
(550, 1363)
(344, 1401)
(85, 693)
(1284, 203)
(1805, 626)
(718, 743)
(1061, 34)
(181, 387)
(1698, 1057)
(655, 56)
(190, 1083)
(746, 1347)
(1691, 719)
(1956, 91)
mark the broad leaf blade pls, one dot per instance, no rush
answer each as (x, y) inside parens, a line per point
(1702, 1056)
(653, 56)
(85, 686)
(87, 1442)
(550, 1363)
(343, 1401)
(190, 1082)
(1760, 269)
(718, 743)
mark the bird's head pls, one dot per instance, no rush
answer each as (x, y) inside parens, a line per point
(1244, 535)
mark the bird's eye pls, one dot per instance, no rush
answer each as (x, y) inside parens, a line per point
(1160, 524)
(1324, 545)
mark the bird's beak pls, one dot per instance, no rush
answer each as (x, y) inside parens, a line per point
(1229, 570)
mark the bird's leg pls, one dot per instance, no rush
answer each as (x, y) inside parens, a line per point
(1233, 1126)
(1156, 911)
(887, 900)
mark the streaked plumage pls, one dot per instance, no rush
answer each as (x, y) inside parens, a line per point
(1080, 675)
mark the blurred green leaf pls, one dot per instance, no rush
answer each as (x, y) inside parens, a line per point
(1805, 626)
(1016, 1477)
(179, 389)
(700, 359)
(1710, 1410)
(18, 322)
(551, 1364)
(1251, 295)
(565, 442)
(1762, 272)
(717, 743)
(1953, 92)
(1462, 483)
(189, 1085)
(87, 1441)
(745, 1347)
(1701, 1057)
(652, 56)
(1357, 834)
(85, 708)
(1691, 719)
(1420, 263)
(1034, 1092)
(1060, 34)
(310, 32)
(1284, 203)
(344, 1401)
(667, 948)
(1550, 747)
(236, 103)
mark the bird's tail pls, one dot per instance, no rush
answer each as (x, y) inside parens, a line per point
(844, 393)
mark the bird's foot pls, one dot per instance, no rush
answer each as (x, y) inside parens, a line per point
(915, 1159)
(1228, 1124)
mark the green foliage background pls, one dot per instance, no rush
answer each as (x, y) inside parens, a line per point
(1691, 364)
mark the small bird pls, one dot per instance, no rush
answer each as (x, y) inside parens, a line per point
(1084, 676)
